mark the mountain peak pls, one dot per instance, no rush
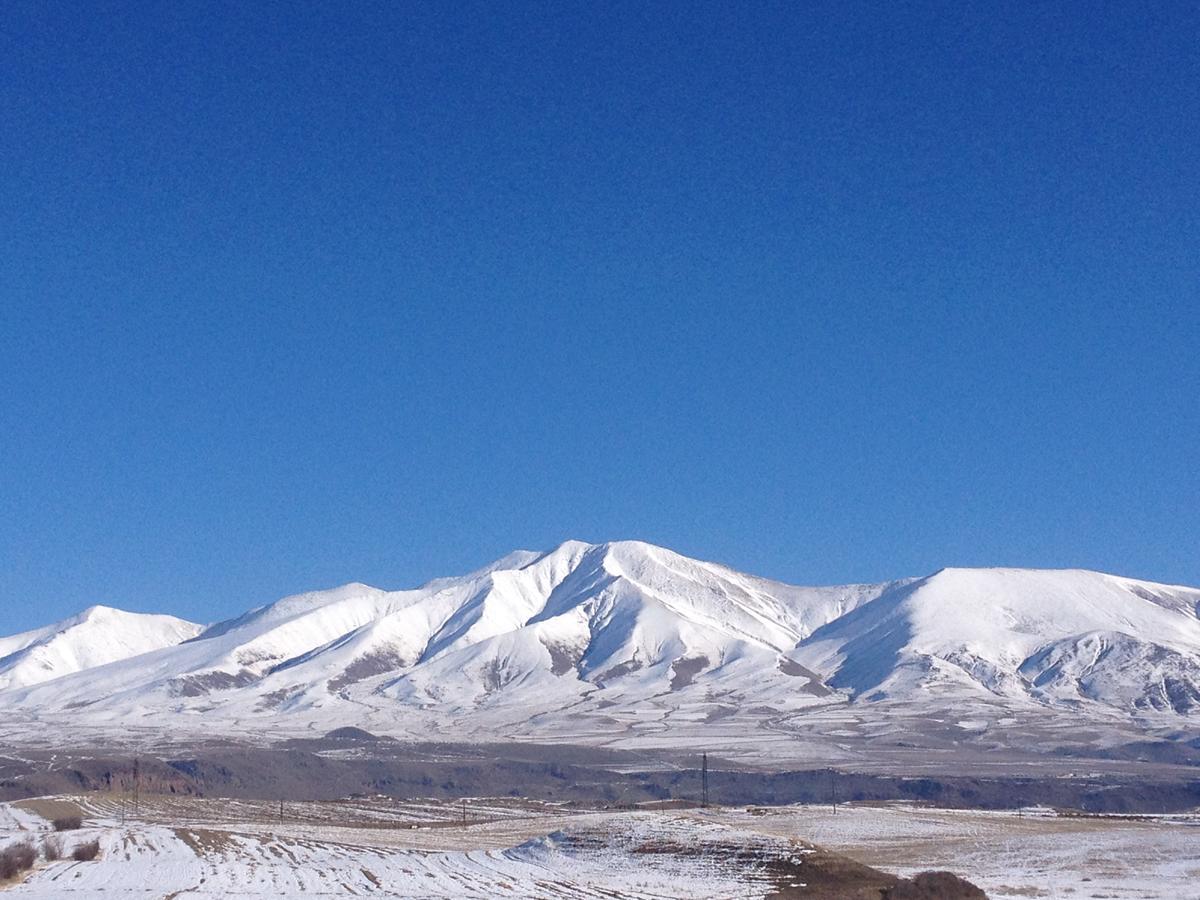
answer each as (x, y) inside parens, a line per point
(592, 637)
(96, 636)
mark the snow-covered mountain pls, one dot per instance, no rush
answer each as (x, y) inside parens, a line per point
(590, 640)
(96, 636)
(1059, 637)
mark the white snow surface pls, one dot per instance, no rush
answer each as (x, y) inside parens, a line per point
(1011, 855)
(1064, 637)
(584, 854)
(599, 858)
(94, 637)
(599, 638)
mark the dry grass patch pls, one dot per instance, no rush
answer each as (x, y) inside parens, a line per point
(51, 808)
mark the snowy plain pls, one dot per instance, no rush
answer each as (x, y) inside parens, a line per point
(555, 853)
(598, 856)
(1011, 855)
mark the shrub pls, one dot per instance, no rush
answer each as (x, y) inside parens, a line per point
(52, 848)
(67, 823)
(16, 858)
(86, 852)
(935, 886)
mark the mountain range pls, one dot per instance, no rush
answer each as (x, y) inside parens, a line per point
(628, 643)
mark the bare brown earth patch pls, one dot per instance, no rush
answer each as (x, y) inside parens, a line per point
(199, 685)
(719, 712)
(563, 657)
(804, 871)
(795, 670)
(367, 666)
(204, 841)
(630, 665)
(372, 877)
(819, 874)
(684, 669)
(935, 886)
(276, 699)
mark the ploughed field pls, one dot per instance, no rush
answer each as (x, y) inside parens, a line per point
(189, 847)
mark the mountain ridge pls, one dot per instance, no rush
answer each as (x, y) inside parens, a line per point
(634, 639)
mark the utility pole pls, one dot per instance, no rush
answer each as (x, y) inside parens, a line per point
(280, 810)
(137, 785)
(704, 781)
(464, 812)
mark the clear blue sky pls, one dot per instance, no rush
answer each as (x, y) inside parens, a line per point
(292, 295)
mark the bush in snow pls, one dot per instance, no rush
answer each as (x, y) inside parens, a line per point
(935, 886)
(86, 852)
(16, 858)
(67, 823)
(52, 848)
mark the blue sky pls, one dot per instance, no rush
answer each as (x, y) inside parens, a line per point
(292, 296)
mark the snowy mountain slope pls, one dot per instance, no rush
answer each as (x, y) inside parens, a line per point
(568, 622)
(594, 639)
(587, 613)
(96, 636)
(1061, 635)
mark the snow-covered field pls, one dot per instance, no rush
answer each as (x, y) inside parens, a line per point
(593, 855)
(1010, 855)
(242, 850)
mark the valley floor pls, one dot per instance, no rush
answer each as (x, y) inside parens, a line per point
(192, 848)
